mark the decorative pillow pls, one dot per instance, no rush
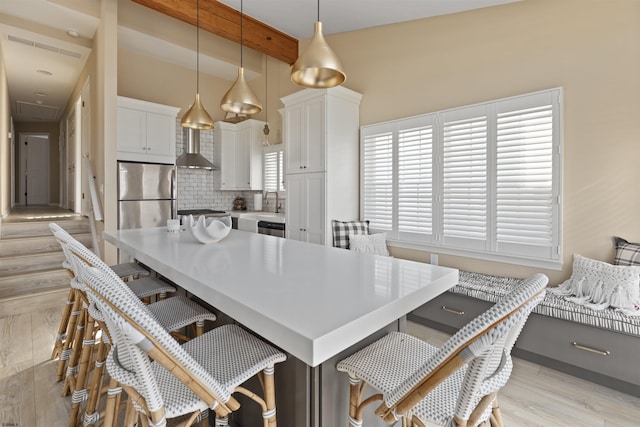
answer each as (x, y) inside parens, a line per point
(627, 253)
(371, 244)
(342, 230)
(598, 285)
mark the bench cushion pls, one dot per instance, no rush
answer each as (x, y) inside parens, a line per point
(493, 288)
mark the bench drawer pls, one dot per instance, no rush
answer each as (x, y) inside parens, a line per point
(449, 309)
(598, 350)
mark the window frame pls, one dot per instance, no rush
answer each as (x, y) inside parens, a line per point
(491, 250)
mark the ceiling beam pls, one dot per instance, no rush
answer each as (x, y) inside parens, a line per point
(224, 21)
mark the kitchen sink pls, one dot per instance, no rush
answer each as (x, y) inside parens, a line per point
(263, 216)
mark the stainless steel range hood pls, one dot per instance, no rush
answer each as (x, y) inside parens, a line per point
(192, 158)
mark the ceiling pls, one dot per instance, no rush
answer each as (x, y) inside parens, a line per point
(43, 62)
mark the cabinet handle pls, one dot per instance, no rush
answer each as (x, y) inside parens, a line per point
(451, 310)
(591, 350)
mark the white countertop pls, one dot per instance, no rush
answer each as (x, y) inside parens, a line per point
(310, 300)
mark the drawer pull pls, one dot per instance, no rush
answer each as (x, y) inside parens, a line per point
(592, 350)
(451, 310)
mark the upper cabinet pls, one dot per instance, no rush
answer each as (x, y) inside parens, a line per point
(146, 131)
(317, 123)
(239, 148)
(320, 133)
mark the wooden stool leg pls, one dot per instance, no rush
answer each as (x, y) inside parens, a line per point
(269, 397)
(496, 416)
(79, 384)
(199, 327)
(70, 336)
(114, 395)
(91, 416)
(355, 394)
(62, 329)
(74, 358)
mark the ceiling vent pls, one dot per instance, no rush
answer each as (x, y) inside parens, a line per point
(45, 113)
(44, 46)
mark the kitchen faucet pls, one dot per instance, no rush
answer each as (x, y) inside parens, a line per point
(266, 194)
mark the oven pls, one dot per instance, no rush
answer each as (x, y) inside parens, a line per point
(271, 228)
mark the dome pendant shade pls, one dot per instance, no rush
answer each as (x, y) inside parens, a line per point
(240, 99)
(318, 67)
(196, 116)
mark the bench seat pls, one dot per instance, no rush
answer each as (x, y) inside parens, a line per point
(598, 345)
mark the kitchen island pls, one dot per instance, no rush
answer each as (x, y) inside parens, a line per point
(318, 304)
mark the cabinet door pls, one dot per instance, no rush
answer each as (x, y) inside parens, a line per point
(315, 208)
(295, 210)
(161, 132)
(132, 130)
(313, 149)
(227, 160)
(305, 207)
(242, 169)
(293, 137)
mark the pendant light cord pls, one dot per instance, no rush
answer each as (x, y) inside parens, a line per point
(197, 46)
(241, 9)
(318, 10)
(266, 88)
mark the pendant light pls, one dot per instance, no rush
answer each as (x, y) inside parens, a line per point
(240, 99)
(266, 130)
(196, 116)
(318, 67)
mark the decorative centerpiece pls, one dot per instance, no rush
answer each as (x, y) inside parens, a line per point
(208, 230)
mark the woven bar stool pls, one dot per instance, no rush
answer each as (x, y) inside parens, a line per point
(455, 385)
(71, 329)
(127, 271)
(186, 380)
(173, 314)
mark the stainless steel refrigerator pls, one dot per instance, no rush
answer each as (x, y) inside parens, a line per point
(146, 194)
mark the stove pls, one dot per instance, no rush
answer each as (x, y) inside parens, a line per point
(198, 212)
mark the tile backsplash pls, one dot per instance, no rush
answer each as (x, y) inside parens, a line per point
(198, 188)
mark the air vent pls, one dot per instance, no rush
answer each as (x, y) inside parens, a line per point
(21, 40)
(44, 46)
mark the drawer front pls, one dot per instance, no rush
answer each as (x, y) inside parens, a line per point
(597, 350)
(451, 309)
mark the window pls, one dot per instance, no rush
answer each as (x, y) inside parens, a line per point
(273, 168)
(481, 181)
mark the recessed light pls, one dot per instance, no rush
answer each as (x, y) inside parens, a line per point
(40, 94)
(45, 72)
(39, 102)
(72, 32)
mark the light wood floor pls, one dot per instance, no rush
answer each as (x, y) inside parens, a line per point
(534, 396)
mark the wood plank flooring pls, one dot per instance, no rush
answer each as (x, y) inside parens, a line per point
(534, 396)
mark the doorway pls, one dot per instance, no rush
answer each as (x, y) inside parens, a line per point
(33, 180)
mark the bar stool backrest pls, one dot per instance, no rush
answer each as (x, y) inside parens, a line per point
(484, 344)
(136, 335)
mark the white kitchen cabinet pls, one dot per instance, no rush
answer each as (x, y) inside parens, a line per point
(146, 131)
(321, 143)
(239, 148)
(306, 211)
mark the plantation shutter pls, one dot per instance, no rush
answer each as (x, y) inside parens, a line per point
(271, 164)
(415, 179)
(526, 199)
(377, 182)
(464, 179)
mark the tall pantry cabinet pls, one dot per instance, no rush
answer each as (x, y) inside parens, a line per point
(321, 137)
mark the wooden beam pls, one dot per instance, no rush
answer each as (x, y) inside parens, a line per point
(224, 21)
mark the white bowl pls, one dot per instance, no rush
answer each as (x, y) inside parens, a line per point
(208, 230)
